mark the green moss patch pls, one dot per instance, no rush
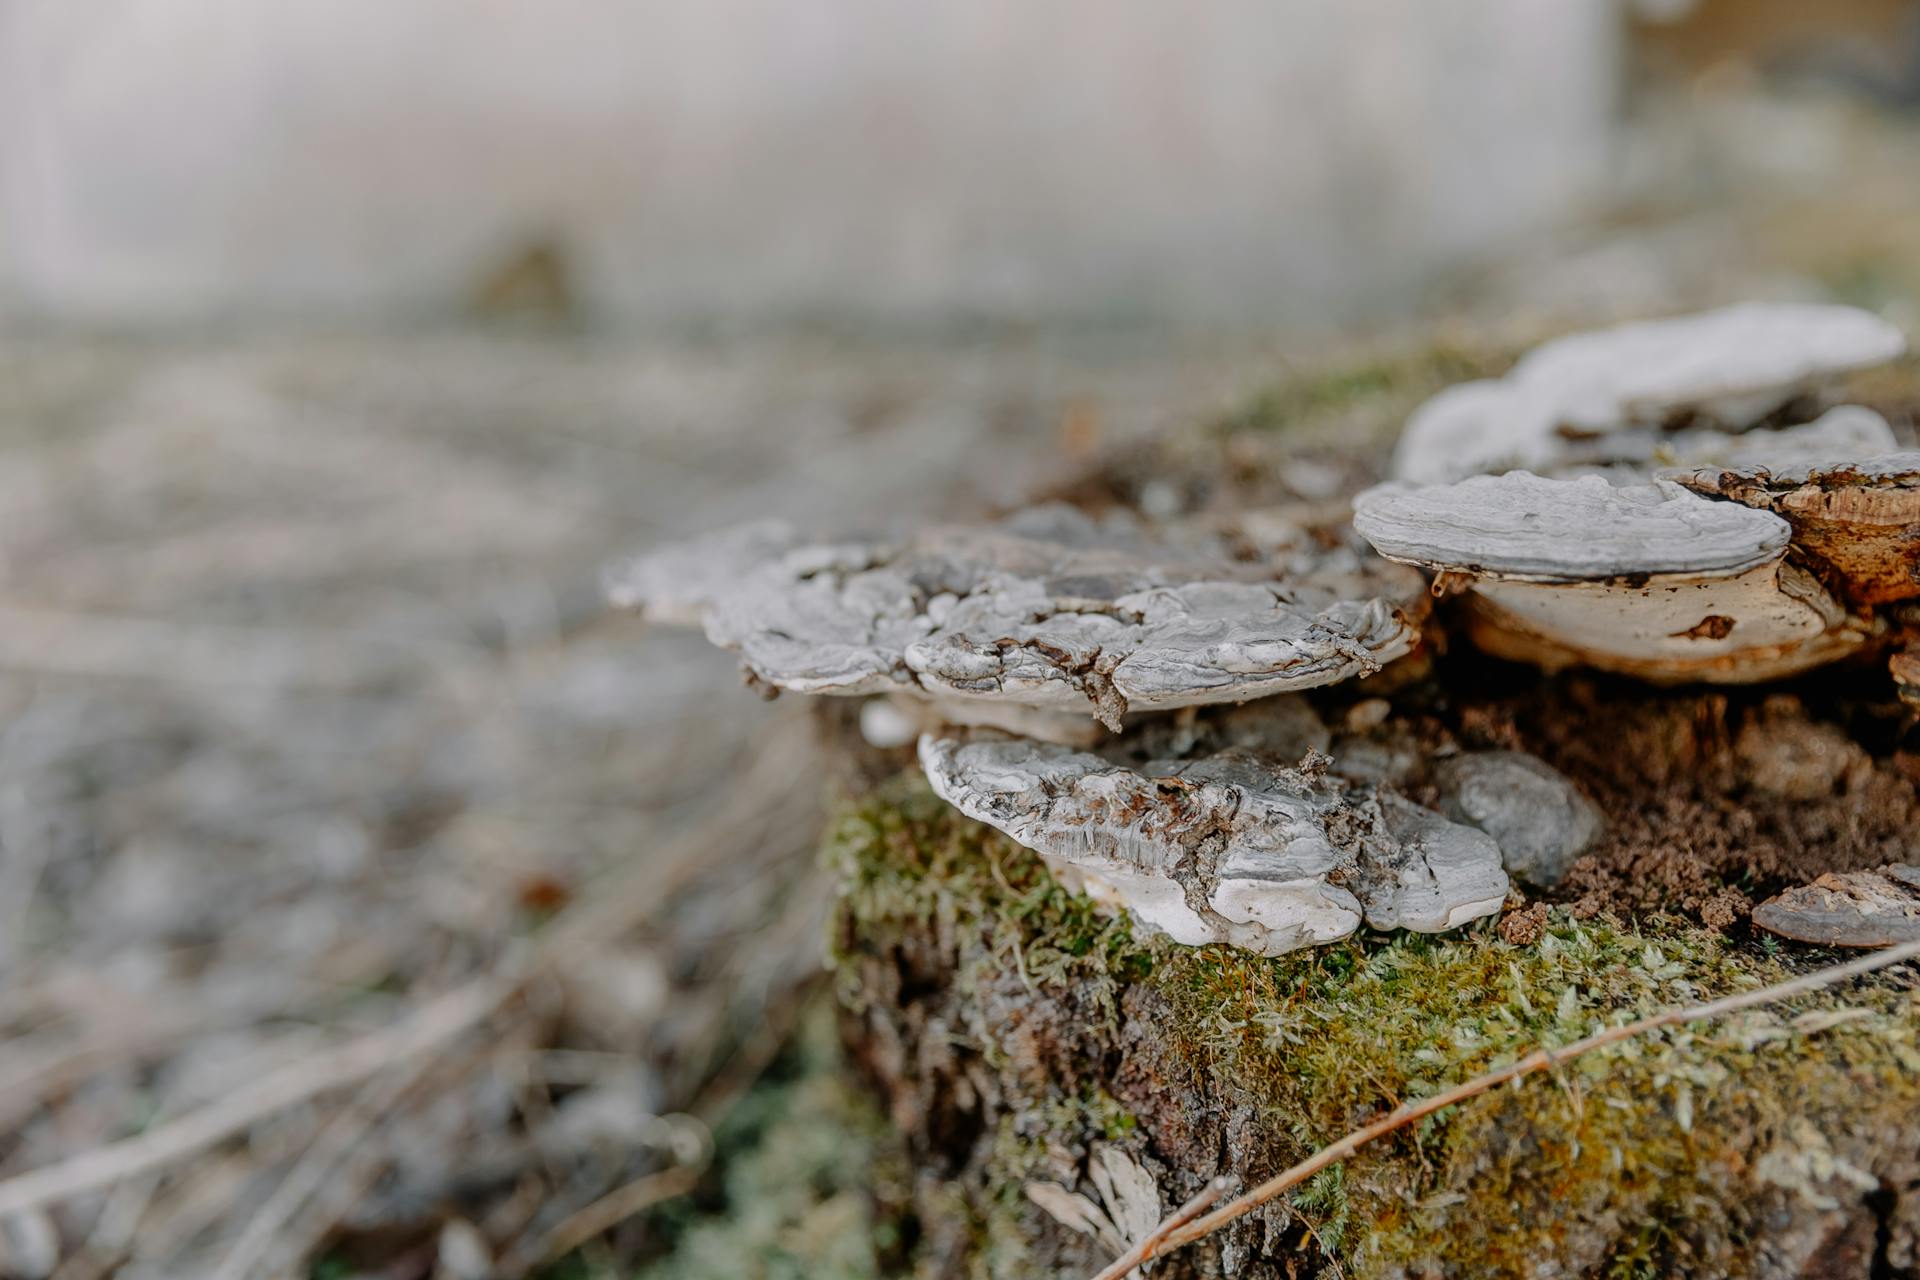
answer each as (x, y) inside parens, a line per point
(1674, 1154)
(1388, 385)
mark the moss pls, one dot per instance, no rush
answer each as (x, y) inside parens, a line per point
(913, 872)
(1322, 1041)
(903, 857)
(1658, 1156)
(1386, 385)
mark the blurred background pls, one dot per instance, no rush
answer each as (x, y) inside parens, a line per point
(374, 904)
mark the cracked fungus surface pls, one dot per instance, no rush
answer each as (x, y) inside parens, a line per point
(1013, 1026)
(1059, 611)
(1226, 846)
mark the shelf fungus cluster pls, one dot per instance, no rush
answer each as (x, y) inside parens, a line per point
(1036, 622)
(1053, 667)
(1687, 512)
(1121, 694)
(1230, 845)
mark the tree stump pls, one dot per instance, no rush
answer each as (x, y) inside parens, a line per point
(1054, 1070)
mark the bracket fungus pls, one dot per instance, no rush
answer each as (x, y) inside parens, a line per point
(1848, 909)
(1685, 516)
(1050, 611)
(1628, 545)
(1228, 846)
(1603, 396)
(677, 584)
(1647, 579)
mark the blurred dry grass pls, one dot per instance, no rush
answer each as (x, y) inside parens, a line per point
(367, 890)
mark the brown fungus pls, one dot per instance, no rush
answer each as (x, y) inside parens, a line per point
(1855, 520)
(1848, 909)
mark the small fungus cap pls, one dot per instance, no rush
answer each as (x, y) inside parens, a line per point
(1529, 528)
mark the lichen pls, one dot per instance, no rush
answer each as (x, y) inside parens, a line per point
(1662, 1155)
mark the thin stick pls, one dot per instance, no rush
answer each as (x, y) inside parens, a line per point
(1171, 1235)
(1202, 1201)
(325, 1153)
(616, 1207)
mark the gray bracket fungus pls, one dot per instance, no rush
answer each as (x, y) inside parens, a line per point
(1839, 435)
(677, 584)
(1647, 579)
(1528, 528)
(1733, 366)
(1231, 846)
(1597, 397)
(1641, 453)
(1051, 610)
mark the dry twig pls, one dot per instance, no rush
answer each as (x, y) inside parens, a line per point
(1171, 1234)
(615, 1207)
(325, 1154)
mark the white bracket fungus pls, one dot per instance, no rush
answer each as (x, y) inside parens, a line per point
(1232, 846)
(1646, 579)
(1727, 369)
(1050, 611)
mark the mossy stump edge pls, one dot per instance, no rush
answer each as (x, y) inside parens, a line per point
(1012, 1029)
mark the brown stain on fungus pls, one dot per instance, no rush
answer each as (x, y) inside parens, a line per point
(1715, 626)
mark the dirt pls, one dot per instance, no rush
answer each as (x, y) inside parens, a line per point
(1715, 797)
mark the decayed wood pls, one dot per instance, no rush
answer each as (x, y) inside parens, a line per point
(1858, 519)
